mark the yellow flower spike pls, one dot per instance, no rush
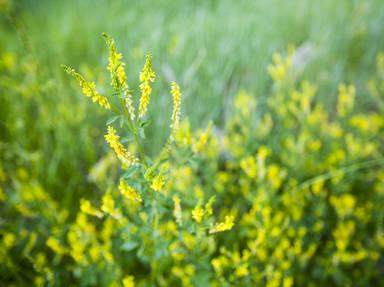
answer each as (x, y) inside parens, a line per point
(118, 76)
(175, 118)
(88, 88)
(177, 210)
(55, 245)
(208, 206)
(227, 224)
(242, 270)
(158, 183)
(198, 213)
(129, 192)
(108, 205)
(146, 76)
(129, 281)
(280, 66)
(9, 240)
(199, 145)
(122, 153)
(87, 208)
(346, 98)
(244, 103)
(249, 166)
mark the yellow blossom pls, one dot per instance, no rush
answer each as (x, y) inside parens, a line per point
(249, 166)
(279, 69)
(343, 204)
(208, 206)
(9, 240)
(129, 281)
(108, 205)
(345, 99)
(177, 210)
(242, 270)
(245, 103)
(146, 76)
(55, 245)
(198, 213)
(118, 76)
(202, 139)
(227, 224)
(88, 88)
(175, 118)
(129, 192)
(122, 153)
(87, 208)
(158, 183)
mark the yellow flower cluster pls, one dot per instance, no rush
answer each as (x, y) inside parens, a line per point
(87, 208)
(129, 281)
(346, 98)
(202, 139)
(281, 65)
(146, 77)
(129, 192)
(198, 213)
(158, 183)
(55, 245)
(116, 67)
(89, 88)
(175, 118)
(122, 153)
(227, 224)
(177, 209)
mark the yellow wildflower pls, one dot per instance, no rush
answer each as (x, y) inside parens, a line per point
(288, 281)
(95, 252)
(9, 240)
(146, 76)
(87, 208)
(158, 183)
(202, 139)
(345, 99)
(208, 206)
(129, 281)
(198, 213)
(175, 118)
(55, 245)
(242, 270)
(244, 103)
(118, 76)
(343, 204)
(129, 192)
(108, 205)
(227, 224)
(89, 88)
(279, 69)
(177, 211)
(122, 153)
(249, 166)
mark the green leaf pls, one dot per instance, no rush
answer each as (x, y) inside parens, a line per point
(130, 172)
(122, 120)
(141, 133)
(129, 245)
(112, 120)
(145, 124)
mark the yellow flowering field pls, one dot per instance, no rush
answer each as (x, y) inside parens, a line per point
(116, 171)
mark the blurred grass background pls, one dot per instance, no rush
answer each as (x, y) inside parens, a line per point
(212, 48)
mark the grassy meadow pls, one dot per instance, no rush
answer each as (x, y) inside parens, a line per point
(272, 176)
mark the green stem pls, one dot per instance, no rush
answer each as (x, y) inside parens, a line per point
(133, 128)
(346, 169)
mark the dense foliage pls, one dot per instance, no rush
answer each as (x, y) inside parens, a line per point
(286, 192)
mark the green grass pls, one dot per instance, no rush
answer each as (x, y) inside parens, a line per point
(212, 48)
